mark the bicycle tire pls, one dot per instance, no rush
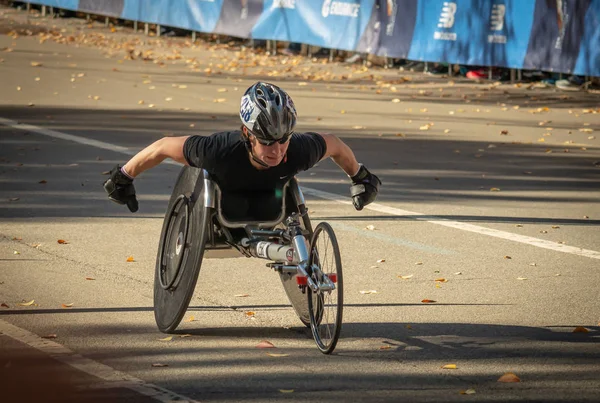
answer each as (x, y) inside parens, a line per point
(325, 335)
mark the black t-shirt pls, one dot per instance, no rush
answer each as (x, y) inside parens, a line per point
(250, 193)
(225, 157)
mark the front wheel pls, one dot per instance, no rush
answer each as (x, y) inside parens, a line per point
(325, 305)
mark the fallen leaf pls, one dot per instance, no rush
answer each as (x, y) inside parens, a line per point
(441, 280)
(532, 264)
(159, 365)
(185, 335)
(509, 377)
(521, 278)
(43, 181)
(555, 227)
(467, 392)
(580, 329)
(90, 278)
(406, 277)
(277, 355)
(358, 127)
(504, 132)
(385, 347)
(449, 366)
(446, 130)
(286, 390)
(396, 100)
(190, 319)
(428, 301)
(220, 100)
(50, 336)
(13, 199)
(130, 259)
(419, 263)
(381, 261)
(368, 292)
(62, 242)
(494, 190)
(250, 314)
(241, 295)
(4, 305)
(507, 257)
(168, 99)
(36, 64)
(222, 90)
(16, 252)
(67, 305)
(168, 338)
(424, 127)
(265, 344)
(27, 303)
(370, 227)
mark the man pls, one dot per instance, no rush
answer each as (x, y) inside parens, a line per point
(253, 162)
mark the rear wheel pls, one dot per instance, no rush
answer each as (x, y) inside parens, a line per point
(325, 305)
(180, 250)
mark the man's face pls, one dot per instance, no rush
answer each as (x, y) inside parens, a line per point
(272, 155)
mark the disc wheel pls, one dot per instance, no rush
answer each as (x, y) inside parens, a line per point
(326, 303)
(180, 250)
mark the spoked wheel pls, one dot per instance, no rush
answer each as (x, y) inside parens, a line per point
(180, 250)
(326, 303)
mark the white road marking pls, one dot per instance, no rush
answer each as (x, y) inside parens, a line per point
(540, 243)
(111, 376)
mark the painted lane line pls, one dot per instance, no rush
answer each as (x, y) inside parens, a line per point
(111, 376)
(540, 243)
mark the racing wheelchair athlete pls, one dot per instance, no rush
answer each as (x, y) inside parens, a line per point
(237, 191)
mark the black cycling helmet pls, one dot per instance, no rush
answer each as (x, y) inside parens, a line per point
(268, 112)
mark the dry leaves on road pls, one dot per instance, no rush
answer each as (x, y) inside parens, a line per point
(69, 305)
(467, 392)
(62, 242)
(265, 344)
(580, 329)
(168, 338)
(428, 301)
(368, 292)
(159, 365)
(27, 303)
(449, 366)
(130, 259)
(509, 377)
(50, 336)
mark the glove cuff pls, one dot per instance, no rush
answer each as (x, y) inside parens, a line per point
(362, 174)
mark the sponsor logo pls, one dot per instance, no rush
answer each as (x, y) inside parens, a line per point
(497, 23)
(340, 8)
(289, 254)
(284, 4)
(447, 16)
(446, 21)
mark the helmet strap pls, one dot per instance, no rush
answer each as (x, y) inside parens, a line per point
(248, 145)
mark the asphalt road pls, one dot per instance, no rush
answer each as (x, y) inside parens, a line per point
(493, 187)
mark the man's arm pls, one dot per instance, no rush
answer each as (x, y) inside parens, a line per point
(119, 185)
(341, 154)
(365, 185)
(155, 153)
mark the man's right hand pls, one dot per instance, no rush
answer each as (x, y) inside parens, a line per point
(120, 189)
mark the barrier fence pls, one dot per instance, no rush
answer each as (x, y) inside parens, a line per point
(549, 35)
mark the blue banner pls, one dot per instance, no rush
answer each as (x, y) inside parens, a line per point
(328, 23)
(549, 35)
(238, 17)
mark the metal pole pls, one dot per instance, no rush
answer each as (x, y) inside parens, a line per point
(193, 36)
(146, 28)
(51, 12)
(331, 55)
(450, 70)
(274, 47)
(43, 11)
(106, 22)
(28, 6)
(519, 75)
(87, 17)
(157, 29)
(512, 75)
(490, 72)
(135, 26)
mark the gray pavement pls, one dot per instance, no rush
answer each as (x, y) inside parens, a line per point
(514, 293)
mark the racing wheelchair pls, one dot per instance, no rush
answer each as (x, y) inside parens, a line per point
(195, 228)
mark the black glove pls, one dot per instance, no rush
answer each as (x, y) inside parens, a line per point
(120, 189)
(364, 189)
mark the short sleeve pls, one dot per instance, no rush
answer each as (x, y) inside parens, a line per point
(199, 151)
(309, 148)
